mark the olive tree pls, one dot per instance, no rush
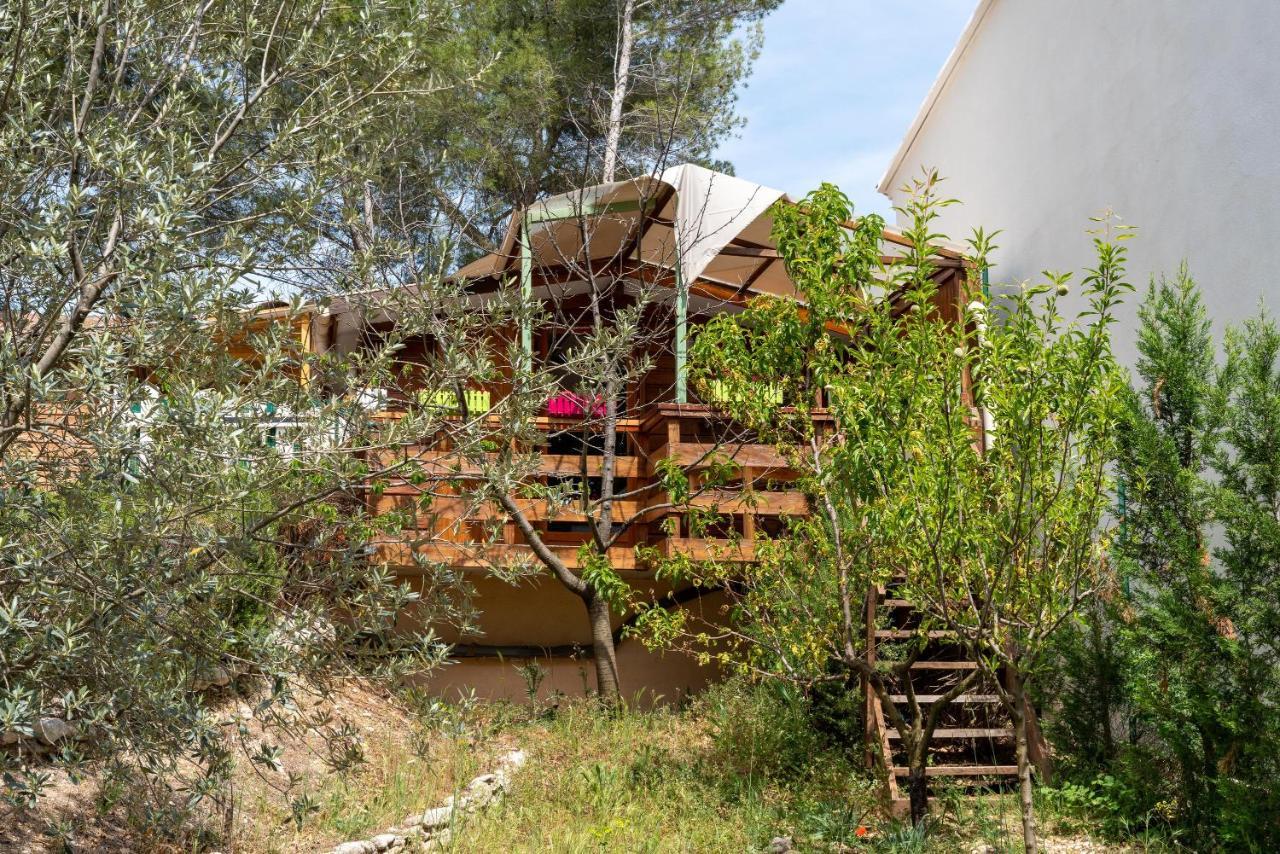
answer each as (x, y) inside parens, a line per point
(180, 498)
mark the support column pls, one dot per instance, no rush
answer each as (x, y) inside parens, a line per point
(682, 330)
(526, 293)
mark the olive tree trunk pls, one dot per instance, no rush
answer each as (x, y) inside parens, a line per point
(604, 650)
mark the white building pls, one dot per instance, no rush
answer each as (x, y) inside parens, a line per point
(1166, 112)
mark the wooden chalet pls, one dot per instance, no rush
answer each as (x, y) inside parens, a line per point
(698, 243)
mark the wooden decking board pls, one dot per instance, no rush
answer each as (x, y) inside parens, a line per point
(445, 464)
(933, 698)
(463, 555)
(741, 551)
(961, 771)
(993, 732)
(945, 665)
(449, 508)
(763, 458)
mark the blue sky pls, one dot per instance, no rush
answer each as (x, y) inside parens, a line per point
(835, 88)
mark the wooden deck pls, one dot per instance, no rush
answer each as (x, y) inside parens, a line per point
(451, 525)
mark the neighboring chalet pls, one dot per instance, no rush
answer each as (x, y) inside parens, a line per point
(1049, 113)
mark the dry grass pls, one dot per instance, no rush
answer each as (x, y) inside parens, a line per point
(405, 765)
(727, 775)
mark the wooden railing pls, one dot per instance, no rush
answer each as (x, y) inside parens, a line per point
(449, 525)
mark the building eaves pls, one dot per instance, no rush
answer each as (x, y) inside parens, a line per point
(935, 92)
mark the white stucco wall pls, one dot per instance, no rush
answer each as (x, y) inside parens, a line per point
(1165, 111)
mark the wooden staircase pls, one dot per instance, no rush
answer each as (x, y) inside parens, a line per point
(973, 745)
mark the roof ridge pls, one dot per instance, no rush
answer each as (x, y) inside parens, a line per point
(935, 92)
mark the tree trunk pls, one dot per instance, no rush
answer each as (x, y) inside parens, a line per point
(1019, 715)
(603, 650)
(621, 77)
(917, 785)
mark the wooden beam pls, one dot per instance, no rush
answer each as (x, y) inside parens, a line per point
(982, 699)
(446, 464)
(948, 734)
(961, 770)
(750, 251)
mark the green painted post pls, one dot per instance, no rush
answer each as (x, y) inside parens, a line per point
(682, 319)
(526, 293)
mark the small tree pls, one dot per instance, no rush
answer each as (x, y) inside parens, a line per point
(1246, 614)
(1179, 662)
(1006, 543)
(600, 346)
(1185, 653)
(871, 343)
(995, 533)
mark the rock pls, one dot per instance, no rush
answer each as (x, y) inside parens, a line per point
(482, 785)
(384, 841)
(9, 736)
(781, 845)
(215, 677)
(439, 841)
(433, 818)
(360, 846)
(52, 730)
(431, 830)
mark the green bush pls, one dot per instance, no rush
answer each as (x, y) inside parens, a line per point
(836, 713)
(761, 730)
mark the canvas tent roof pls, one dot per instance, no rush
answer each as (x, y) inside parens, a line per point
(718, 227)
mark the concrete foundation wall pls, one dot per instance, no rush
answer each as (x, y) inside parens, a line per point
(540, 613)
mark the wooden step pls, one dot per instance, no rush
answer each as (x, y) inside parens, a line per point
(896, 603)
(945, 665)
(960, 733)
(904, 634)
(961, 771)
(933, 698)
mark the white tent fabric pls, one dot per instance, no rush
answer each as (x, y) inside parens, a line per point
(711, 210)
